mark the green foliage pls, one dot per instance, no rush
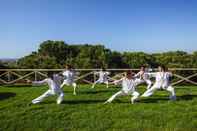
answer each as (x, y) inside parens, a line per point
(2, 65)
(137, 59)
(54, 54)
(177, 59)
(92, 57)
(36, 60)
(116, 60)
(56, 49)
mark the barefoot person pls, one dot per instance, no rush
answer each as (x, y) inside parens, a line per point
(162, 81)
(53, 82)
(69, 77)
(128, 88)
(103, 78)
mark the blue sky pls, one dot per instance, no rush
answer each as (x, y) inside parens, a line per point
(122, 25)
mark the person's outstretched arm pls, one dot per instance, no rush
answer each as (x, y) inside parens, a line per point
(137, 75)
(40, 82)
(116, 82)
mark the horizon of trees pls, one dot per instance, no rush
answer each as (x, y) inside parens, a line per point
(55, 54)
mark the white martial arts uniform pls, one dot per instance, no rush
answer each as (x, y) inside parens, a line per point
(54, 89)
(103, 78)
(162, 82)
(143, 77)
(128, 88)
(69, 77)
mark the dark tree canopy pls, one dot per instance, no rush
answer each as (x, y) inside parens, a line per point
(54, 54)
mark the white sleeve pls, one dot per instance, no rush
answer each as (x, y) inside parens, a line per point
(137, 75)
(40, 82)
(116, 82)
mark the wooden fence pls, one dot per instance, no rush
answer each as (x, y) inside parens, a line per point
(13, 76)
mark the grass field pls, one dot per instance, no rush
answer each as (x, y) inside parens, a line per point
(86, 110)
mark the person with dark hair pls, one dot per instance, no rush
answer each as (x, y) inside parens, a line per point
(53, 82)
(69, 78)
(142, 77)
(128, 88)
(103, 77)
(162, 82)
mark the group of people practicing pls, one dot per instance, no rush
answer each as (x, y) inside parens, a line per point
(129, 82)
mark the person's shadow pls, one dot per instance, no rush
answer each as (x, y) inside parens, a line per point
(6, 95)
(97, 92)
(166, 98)
(73, 102)
(186, 97)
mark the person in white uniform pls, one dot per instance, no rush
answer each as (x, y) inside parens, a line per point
(69, 78)
(162, 82)
(53, 82)
(128, 88)
(103, 78)
(143, 77)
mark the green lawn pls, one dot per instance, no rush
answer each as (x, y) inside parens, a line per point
(87, 112)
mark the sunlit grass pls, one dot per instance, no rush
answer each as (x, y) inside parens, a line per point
(87, 112)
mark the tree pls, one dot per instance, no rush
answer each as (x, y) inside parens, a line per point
(92, 56)
(57, 49)
(2, 66)
(137, 59)
(38, 61)
(54, 54)
(116, 60)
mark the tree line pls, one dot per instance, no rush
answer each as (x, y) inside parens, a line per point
(55, 54)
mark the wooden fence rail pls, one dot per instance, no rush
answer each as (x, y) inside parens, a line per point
(12, 76)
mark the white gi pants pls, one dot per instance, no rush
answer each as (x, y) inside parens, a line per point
(70, 83)
(155, 87)
(141, 81)
(50, 93)
(135, 95)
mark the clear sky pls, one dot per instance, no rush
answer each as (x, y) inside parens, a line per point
(122, 25)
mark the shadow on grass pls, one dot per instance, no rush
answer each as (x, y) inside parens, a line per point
(73, 102)
(158, 99)
(186, 97)
(23, 85)
(97, 92)
(6, 95)
(166, 98)
(144, 100)
(153, 100)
